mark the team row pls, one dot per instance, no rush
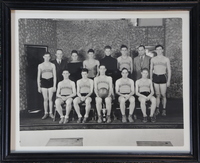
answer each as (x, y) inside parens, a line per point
(112, 64)
(159, 68)
(103, 89)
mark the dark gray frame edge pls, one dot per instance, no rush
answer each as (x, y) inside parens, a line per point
(7, 6)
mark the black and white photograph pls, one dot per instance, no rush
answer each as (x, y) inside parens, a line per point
(100, 81)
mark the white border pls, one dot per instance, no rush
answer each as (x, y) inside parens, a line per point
(17, 14)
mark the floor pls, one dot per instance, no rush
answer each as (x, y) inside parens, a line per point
(174, 119)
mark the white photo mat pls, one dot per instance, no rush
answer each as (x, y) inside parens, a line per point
(15, 110)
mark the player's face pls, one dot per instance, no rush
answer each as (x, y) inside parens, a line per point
(46, 57)
(90, 55)
(74, 56)
(65, 74)
(59, 54)
(124, 51)
(141, 51)
(102, 70)
(144, 74)
(124, 74)
(108, 52)
(84, 75)
(159, 50)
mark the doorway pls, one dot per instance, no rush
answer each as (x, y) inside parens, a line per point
(34, 55)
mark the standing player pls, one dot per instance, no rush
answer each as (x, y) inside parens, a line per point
(144, 90)
(160, 73)
(46, 81)
(125, 61)
(124, 87)
(84, 91)
(91, 64)
(65, 93)
(103, 90)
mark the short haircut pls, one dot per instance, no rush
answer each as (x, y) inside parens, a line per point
(124, 69)
(102, 65)
(59, 49)
(90, 51)
(107, 47)
(157, 46)
(47, 53)
(84, 70)
(141, 46)
(145, 69)
(74, 51)
(123, 46)
(65, 70)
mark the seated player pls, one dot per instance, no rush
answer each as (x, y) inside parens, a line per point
(84, 91)
(103, 90)
(46, 81)
(124, 88)
(144, 90)
(65, 93)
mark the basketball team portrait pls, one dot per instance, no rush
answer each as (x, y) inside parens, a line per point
(105, 81)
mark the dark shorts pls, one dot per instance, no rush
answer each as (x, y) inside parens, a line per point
(145, 93)
(46, 83)
(84, 94)
(159, 79)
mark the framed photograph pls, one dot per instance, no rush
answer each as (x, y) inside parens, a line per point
(100, 81)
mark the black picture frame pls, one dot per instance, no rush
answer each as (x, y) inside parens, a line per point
(191, 6)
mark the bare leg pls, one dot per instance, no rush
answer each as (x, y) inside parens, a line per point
(45, 102)
(87, 106)
(163, 89)
(157, 90)
(153, 105)
(58, 103)
(98, 105)
(122, 104)
(50, 91)
(76, 102)
(108, 105)
(68, 107)
(132, 105)
(143, 106)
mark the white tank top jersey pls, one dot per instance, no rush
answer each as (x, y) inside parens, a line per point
(160, 63)
(125, 63)
(66, 89)
(124, 86)
(84, 86)
(46, 71)
(144, 86)
(102, 83)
